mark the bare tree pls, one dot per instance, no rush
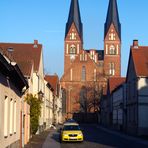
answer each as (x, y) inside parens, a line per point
(91, 93)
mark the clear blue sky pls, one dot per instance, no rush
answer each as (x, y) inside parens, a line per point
(22, 21)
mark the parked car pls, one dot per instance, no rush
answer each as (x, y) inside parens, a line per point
(71, 132)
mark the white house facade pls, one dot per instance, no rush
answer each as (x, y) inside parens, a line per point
(12, 87)
(137, 90)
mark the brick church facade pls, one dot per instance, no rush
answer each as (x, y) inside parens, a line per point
(89, 68)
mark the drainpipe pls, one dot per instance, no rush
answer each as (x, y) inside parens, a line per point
(22, 100)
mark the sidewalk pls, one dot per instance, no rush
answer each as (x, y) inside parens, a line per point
(37, 140)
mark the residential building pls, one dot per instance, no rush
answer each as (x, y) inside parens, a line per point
(82, 67)
(57, 98)
(29, 57)
(137, 90)
(12, 87)
(119, 106)
(48, 112)
(107, 103)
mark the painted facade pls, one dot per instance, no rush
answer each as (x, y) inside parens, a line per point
(12, 87)
(119, 107)
(137, 90)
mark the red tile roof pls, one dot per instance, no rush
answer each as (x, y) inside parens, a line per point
(114, 82)
(26, 67)
(24, 53)
(140, 59)
(54, 82)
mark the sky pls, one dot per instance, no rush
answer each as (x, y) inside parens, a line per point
(23, 21)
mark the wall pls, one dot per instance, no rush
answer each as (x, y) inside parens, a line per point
(12, 132)
(143, 105)
(118, 108)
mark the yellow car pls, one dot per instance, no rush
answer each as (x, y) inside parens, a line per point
(71, 132)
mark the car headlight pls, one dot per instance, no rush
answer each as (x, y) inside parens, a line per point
(65, 134)
(80, 134)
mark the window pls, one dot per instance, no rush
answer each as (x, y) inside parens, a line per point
(112, 36)
(71, 75)
(83, 73)
(83, 57)
(14, 117)
(72, 49)
(6, 117)
(72, 36)
(112, 50)
(11, 117)
(95, 74)
(112, 69)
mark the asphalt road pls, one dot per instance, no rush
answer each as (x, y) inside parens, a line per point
(98, 138)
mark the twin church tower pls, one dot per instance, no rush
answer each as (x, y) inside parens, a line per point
(88, 67)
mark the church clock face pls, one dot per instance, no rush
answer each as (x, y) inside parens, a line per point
(72, 57)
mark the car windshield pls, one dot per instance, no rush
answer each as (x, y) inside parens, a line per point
(71, 127)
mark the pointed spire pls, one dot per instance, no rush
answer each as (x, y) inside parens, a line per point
(112, 17)
(74, 17)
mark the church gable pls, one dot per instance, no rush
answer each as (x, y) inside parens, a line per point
(112, 34)
(73, 34)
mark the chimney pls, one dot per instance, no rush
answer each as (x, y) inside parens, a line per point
(35, 43)
(135, 43)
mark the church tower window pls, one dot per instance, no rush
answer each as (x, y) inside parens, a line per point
(83, 73)
(72, 49)
(112, 69)
(112, 50)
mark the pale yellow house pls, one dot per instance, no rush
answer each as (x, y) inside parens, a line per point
(57, 98)
(48, 109)
(12, 87)
(30, 60)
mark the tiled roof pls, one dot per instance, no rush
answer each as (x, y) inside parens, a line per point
(10, 69)
(25, 53)
(54, 82)
(100, 54)
(26, 67)
(140, 59)
(114, 82)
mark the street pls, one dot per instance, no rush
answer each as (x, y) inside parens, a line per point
(95, 137)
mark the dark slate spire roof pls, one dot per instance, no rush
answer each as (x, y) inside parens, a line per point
(74, 17)
(112, 17)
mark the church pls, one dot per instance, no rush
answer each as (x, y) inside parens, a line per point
(86, 71)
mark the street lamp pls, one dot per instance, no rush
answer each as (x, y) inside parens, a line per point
(40, 95)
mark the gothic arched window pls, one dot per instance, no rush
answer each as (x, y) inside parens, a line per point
(112, 50)
(73, 49)
(83, 73)
(112, 69)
